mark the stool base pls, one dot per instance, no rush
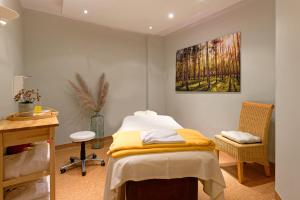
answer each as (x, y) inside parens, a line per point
(75, 161)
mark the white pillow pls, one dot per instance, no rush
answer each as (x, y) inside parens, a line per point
(145, 113)
(241, 137)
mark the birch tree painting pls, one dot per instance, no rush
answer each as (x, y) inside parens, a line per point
(213, 66)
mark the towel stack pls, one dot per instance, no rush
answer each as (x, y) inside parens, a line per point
(161, 136)
(35, 190)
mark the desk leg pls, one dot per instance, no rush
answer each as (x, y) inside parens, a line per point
(1, 167)
(52, 163)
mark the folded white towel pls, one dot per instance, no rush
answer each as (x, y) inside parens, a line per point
(241, 137)
(161, 136)
(28, 191)
(145, 113)
(27, 162)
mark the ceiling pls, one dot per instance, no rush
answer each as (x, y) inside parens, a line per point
(133, 15)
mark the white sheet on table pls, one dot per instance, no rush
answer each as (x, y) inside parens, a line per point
(201, 164)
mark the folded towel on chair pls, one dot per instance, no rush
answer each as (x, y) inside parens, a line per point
(161, 136)
(241, 137)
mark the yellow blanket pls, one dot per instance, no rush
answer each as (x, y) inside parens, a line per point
(127, 143)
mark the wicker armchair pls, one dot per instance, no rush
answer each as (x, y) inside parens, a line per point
(254, 118)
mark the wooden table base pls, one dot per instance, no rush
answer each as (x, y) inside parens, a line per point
(163, 189)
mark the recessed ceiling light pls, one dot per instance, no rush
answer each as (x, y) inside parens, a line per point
(150, 27)
(85, 11)
(171, 15)
(3, 22)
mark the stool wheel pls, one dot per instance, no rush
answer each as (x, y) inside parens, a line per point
(72, 160)
(62, 171)
(94, 156)
(102, 163)
(83, 173)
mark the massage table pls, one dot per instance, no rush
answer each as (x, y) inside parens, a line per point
(156, 175)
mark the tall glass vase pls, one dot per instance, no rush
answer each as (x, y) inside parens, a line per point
(97, 125)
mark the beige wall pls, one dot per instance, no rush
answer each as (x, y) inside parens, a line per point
(213, 112)
(287, 99)
(11, 58)
(56, 48)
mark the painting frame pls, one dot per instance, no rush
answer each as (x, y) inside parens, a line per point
(210, 66)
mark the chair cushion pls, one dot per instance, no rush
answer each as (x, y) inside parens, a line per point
(241, 137)
(82, 136)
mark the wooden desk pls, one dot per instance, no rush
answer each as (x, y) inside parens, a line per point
(23, 132)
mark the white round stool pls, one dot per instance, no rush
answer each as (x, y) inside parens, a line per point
(82, 137)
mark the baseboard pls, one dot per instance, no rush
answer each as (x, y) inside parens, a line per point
(107, 139)
(277, 197)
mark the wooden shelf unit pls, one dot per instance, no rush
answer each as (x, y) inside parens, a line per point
(23, 132)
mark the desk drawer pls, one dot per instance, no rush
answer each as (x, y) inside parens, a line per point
(25, 136)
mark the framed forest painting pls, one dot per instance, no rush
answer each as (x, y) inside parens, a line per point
(212, 66)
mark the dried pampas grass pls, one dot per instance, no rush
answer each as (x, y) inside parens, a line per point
(102, 92)
(85, 96)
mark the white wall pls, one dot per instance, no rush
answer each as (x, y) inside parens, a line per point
(11, 58)
(56, 48)
(213, 112)
(287, 99)
(156, 74)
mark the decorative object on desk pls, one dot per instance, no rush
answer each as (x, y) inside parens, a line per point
(26, 99)
(26, 108)
(92, 104)
(38, 109)
(211, 66)
(45, 112)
